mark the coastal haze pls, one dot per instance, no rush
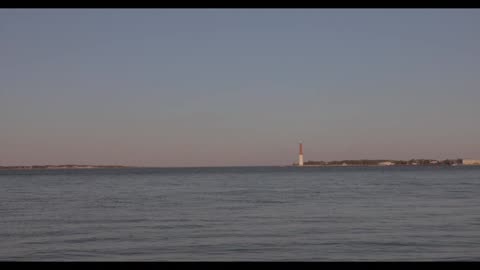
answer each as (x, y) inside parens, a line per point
(237, 87)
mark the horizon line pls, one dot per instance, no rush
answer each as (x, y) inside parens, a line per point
(218, 166)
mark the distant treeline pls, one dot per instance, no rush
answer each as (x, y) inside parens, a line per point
(375, 162)
(67, 166)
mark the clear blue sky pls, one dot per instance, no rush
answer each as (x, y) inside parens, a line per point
(226, 87)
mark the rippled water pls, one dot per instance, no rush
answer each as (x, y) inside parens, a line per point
(243, 213)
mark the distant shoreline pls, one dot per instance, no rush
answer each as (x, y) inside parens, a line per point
(391, 162)
(403, 165)
(86, 167)
(63, 167)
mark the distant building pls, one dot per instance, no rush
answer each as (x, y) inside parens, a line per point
(386, 163)
(300, 155)
(471, 162)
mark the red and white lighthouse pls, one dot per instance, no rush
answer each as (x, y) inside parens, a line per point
(300, 155)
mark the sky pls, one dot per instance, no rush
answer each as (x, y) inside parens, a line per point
(237, 87)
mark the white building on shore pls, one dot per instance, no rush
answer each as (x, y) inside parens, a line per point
(471, 161)
(386, 163)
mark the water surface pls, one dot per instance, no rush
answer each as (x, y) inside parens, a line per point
(241, 213)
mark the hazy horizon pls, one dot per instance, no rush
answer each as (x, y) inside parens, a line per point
(224, 87)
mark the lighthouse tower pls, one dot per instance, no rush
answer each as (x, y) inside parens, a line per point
(300, 155)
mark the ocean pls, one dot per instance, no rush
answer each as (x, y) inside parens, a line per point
(241, 214)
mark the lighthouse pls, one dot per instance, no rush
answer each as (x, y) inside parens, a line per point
(300, 155)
